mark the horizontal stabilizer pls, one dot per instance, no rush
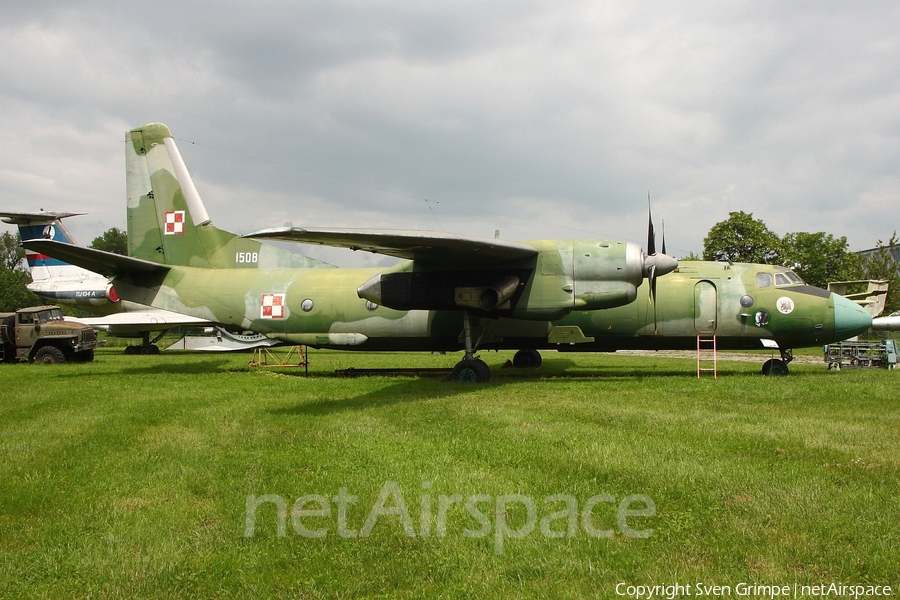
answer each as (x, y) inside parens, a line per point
(35, 218)
(428, 246)
(98, 261)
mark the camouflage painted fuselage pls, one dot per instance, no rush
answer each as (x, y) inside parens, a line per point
(320, 307)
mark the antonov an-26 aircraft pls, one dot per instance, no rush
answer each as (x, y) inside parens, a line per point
(452, 292)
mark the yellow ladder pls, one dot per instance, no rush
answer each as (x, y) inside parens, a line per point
(706, 355)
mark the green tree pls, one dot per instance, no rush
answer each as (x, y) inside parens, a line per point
(817, 257)
(112, 240)
(11, 251)
(741, 238)
(13, 277)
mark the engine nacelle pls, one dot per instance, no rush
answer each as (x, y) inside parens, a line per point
(565, 276)
(606, 274)
(581, 275)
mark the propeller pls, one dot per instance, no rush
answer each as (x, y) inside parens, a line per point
(656, 265)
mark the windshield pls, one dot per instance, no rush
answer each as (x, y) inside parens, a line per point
(54, 314)
(794, 278)
(780, 278)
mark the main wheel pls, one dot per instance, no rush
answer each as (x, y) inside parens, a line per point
(527, 358)
(774, 366)
(471, 370)
(49, 355)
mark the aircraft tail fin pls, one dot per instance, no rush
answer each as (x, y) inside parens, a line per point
(46, 225)
(167, 221)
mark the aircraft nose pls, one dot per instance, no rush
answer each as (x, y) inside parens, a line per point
(850, 318)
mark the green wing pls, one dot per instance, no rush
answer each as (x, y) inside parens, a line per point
(426, 246)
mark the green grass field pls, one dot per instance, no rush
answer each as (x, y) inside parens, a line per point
(131, 477)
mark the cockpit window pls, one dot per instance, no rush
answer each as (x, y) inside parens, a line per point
(788, 278)
(794, 278)
(781, 278)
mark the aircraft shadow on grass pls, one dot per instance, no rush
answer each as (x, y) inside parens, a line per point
(408, 389)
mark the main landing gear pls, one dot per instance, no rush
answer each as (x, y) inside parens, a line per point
(471, 369)
(774, 366)
(527, 359)
(147, 347)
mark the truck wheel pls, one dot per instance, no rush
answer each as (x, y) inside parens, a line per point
(8, 330)
(49, 355)
(84, 356)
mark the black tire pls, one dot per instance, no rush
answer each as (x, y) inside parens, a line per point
(8, 330)
(472, 370)
(774, 366)
(527, 359)
(9, 353)
(49, 355)
(84, 356)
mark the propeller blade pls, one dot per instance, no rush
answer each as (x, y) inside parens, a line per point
(656, 264)
(664, 236)
(652, 277)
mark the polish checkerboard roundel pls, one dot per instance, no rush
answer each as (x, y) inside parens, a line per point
(174, 222)
(272, 306)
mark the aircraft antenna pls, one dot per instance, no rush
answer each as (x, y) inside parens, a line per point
(433, 214)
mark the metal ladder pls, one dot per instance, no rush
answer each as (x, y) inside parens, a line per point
(706, 355)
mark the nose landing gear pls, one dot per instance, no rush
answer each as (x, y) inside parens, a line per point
(774, 366)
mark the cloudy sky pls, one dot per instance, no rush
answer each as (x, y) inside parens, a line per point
(540, 119)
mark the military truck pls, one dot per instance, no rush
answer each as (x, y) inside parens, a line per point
(41, 334)
(881, 354)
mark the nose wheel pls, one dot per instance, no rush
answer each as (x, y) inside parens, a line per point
(774, 366)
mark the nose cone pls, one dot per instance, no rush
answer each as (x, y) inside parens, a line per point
(850, 318)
